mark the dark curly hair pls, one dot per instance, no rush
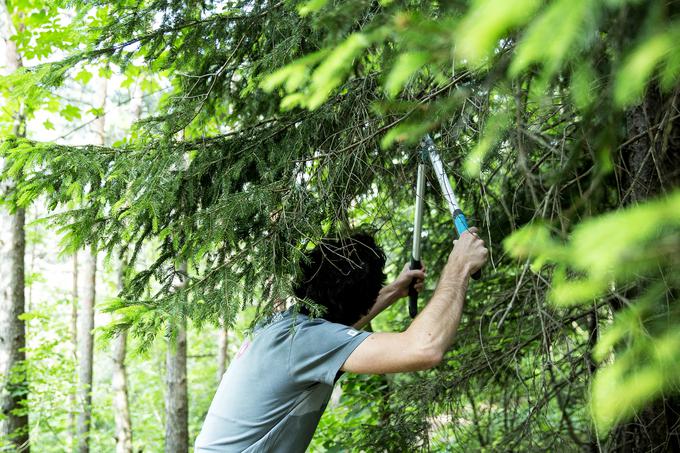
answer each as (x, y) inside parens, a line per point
(344, 275)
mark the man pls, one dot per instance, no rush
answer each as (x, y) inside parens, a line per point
(276, 388)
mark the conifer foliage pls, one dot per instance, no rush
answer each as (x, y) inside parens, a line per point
(302, 119)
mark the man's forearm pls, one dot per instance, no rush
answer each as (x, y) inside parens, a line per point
(387, 295)
(435, 327)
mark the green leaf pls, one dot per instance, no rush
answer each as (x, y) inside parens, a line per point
(409, 133)
(277, 78)
(534, 241)
(332, 71)
(70, 112)
(96, 111)
(671, 69)
(637, 69)
(494, 130)
(576, 291)
(553, 34)
(83, 76)
(583, 86)
(292, 75)
(487, 22)
(606, 243)
(292, 100)
(405, 66)
(311, 6)
(639, 375)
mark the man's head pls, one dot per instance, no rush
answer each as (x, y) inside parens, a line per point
(344, 276)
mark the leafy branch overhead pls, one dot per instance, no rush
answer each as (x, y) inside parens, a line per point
(280, 122)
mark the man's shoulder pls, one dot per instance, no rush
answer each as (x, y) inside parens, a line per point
(287, 323)
(293, 324)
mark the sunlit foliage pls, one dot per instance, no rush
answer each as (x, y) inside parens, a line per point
(286, 120)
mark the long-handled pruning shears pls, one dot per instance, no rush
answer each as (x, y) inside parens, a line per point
(428, 152)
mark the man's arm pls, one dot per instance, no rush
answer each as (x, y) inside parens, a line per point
(393, 292)
(428, 337)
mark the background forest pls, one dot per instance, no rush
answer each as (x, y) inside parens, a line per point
(165, 164)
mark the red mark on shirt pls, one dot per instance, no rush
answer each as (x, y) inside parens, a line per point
(244, 346)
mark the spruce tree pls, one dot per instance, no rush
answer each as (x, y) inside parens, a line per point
(302, 119)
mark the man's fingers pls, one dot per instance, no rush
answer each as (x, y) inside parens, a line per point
(407, 267)
(417, 273)
(470, 231)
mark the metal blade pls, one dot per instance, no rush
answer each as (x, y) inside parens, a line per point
(443, 179)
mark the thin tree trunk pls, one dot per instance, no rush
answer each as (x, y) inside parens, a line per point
(13, 378)
(222, 351)
(85, 353)
(73, 406)
(31, 268)
(120, 387)
(119, 379)
(86, 338)
(176, 397)
(176, 406)
(120, 396)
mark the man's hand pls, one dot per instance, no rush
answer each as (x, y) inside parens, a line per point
(404, 279)
(394, 291)
(431, 333)
(469, 252)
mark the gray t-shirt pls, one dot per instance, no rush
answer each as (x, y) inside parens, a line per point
(276, 388)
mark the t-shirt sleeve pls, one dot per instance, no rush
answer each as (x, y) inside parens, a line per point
(320, 348)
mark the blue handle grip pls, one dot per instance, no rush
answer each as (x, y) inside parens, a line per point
(461, 222)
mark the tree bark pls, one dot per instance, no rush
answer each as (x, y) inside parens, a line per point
(85, 353)
(650, 163)
(13, 377)
(176, 397)
(73, 406)
(14, 421)
(176, 400)
(86, 346)
(120, 387)
(222, 351)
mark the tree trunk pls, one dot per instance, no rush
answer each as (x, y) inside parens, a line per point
(650, 163)
(86, 346)
(13, 378)
(222, 351)
(85, 353)
(73, 406)
(176, 400)
(176, 397)
(14, 421)
(120, 388)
